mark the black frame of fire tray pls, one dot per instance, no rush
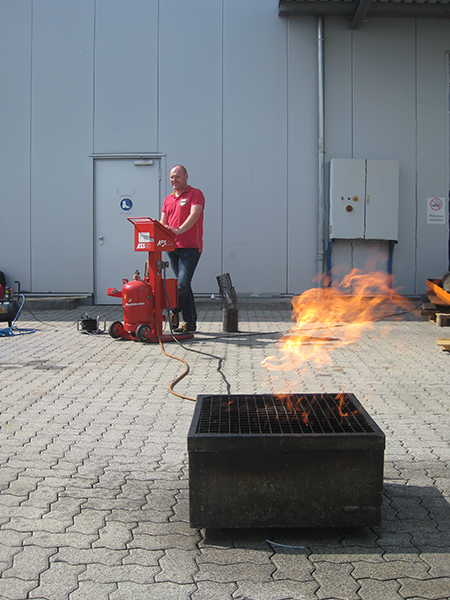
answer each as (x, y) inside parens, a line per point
(285, 480)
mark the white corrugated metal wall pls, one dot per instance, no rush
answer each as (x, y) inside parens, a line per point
(386, 98)
(230, 90)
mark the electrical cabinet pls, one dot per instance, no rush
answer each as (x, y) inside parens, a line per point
(364, 196)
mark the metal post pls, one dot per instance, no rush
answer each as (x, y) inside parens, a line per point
(321, 108)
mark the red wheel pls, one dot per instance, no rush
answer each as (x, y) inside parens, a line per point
(115, 329)
(143, 332)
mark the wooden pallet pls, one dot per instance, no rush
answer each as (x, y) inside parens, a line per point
(434, 285)
(436, 304)
(444, 343)
(436, 315)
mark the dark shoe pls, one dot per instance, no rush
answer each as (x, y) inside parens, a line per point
(174, 320)
(186, 328)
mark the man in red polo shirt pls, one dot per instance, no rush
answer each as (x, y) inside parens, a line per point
(182, 213)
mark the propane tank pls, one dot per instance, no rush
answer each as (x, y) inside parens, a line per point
(138, 303)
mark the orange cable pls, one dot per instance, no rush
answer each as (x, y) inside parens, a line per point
(180, 377)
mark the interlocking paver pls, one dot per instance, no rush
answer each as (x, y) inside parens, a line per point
(93, 590)
(228, 556)
(13, 588)
(85, 556)
(162, 542)
(336, 581)
(372, 589)
(210, 589)
(439, 562)
(235, 572)
(292, 565)
(58, 581)
(276, 590)
(115, 535)
(178, 566)
(430, 589)
(58, 540)
(88, 521)
(393, 570)
(94, 481)
(115, 573)
(160, 591)
(146, 558)
(30, 562)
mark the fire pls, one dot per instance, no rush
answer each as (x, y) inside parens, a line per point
(305, 417)
(342, 406)
(334, 316)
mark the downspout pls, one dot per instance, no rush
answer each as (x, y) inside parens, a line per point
(321, 108)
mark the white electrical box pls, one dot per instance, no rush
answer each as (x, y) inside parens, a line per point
(364, 196)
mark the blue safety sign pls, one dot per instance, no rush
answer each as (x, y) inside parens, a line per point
(126, 204)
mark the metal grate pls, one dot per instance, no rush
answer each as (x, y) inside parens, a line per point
(281, 414)
(227, 291)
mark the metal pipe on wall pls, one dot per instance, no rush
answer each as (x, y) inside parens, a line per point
(321, 108)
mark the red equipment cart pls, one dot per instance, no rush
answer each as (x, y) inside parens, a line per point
(145, 300)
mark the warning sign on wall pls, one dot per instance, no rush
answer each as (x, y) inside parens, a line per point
(436, 211)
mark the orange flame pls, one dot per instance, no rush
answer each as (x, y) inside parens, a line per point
(334, 316)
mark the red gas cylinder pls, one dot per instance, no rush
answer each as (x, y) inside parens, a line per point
(138, 304)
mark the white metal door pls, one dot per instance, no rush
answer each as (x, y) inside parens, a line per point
(123, 188)
(382, 198)
(364, 196)
(347, 193)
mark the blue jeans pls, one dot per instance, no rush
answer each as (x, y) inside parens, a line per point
(184, 262)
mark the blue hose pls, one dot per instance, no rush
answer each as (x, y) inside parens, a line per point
(13, 330)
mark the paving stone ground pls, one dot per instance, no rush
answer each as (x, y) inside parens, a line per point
(94, 465)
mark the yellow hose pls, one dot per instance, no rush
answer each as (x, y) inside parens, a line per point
(175, 381)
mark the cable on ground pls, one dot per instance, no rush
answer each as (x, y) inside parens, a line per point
(218, 358)
(180, 377)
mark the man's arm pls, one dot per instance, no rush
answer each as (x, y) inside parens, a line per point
(194, 216)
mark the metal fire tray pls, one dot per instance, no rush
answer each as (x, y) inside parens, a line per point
(296, 460)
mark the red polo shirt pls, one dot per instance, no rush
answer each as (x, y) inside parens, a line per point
(178, 210)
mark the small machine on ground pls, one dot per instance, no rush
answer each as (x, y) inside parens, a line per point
(11, 305)
(148, 301)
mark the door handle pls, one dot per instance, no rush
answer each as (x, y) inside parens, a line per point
(100, 240)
